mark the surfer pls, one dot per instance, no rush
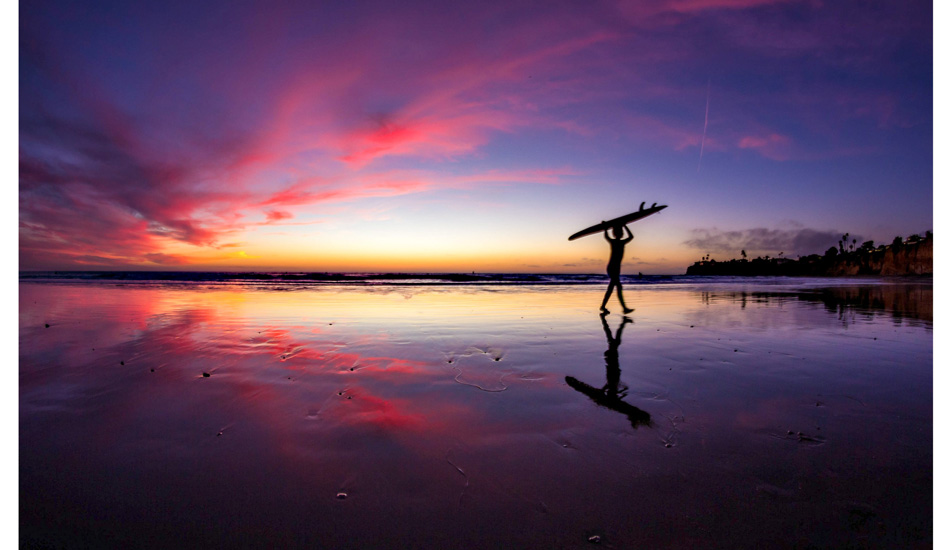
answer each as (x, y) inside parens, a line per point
(617, 244)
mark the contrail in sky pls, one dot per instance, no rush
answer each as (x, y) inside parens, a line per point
(702, 144)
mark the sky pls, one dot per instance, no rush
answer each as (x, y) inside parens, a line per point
(467, 136)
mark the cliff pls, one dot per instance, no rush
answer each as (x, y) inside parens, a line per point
(911, 258)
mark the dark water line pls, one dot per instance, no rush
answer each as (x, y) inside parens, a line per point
(311, 278)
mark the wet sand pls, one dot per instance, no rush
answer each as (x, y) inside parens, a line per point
(722, 416)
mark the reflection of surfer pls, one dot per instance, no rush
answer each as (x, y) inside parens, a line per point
(612, 393)
(617, 244)
(612, 359)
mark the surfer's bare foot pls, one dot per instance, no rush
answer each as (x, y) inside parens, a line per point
(604, 311)
(627, 310)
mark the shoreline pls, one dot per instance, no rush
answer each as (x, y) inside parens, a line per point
(425, 278)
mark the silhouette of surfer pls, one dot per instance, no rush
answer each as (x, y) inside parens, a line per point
(617, 244)
(612, 394)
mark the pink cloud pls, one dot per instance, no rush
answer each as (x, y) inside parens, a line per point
(548, 175)
(277, 215)
(670, 12)
(773, 146)
(701, 5)
(427, 137)
(677, 136)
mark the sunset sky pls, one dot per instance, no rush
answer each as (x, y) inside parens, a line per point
(466, 136)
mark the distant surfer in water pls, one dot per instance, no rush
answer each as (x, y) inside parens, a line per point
(617, 243)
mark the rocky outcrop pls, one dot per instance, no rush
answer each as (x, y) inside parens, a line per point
(911, 258)
(906, 259)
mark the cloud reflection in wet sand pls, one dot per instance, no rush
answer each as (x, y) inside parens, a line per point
(395, 416)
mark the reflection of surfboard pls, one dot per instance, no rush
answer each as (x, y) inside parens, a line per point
(632, 217)
(635, 415)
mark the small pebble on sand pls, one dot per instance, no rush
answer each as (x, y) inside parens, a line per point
(206, 375)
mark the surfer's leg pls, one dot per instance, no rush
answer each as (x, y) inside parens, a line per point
(610, 288)
(620, 297)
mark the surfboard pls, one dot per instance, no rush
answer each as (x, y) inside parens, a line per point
(632, 217)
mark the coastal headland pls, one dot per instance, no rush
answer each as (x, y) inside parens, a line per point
(911, 256)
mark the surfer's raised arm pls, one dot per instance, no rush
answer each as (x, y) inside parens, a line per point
(629, 236)
(618, 234)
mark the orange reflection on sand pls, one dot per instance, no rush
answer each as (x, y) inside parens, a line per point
(321, 305)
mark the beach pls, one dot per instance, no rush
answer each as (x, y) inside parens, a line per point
(721, 413)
